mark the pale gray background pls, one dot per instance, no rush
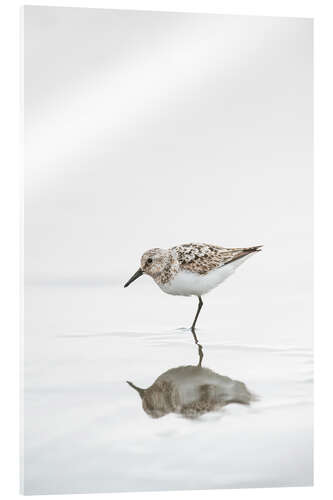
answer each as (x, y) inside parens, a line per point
(147, 129)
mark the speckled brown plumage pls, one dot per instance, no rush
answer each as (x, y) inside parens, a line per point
(191, 269)
(201, 257)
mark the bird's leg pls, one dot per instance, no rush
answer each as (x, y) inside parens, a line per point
(197, 314)
(200, 351)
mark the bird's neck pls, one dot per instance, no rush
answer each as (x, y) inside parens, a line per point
(169, 271)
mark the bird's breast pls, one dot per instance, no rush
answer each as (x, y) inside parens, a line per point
(188, 283)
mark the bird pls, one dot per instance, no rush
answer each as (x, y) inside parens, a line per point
(191, 391)
(191, 269)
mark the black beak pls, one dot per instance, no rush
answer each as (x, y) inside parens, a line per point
(134, 277)
(138, 389)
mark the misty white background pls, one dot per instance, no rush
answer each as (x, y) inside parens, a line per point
(151, 129)
(148, 129)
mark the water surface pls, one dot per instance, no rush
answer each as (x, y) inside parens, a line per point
(229, 408)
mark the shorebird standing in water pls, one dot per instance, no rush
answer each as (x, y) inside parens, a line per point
(192, 268)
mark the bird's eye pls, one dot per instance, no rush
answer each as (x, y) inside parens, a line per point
(149, 261)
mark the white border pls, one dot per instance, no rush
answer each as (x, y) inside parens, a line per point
(321, 10)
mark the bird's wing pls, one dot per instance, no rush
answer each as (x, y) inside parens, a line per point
(201, 257)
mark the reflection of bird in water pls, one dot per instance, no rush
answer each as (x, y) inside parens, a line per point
(191, 391)
(192, 268)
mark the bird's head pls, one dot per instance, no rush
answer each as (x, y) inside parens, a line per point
(153, 262)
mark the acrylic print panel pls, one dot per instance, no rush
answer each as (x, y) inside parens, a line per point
(150, 130)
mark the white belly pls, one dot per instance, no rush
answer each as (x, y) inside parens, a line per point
(188, 283)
